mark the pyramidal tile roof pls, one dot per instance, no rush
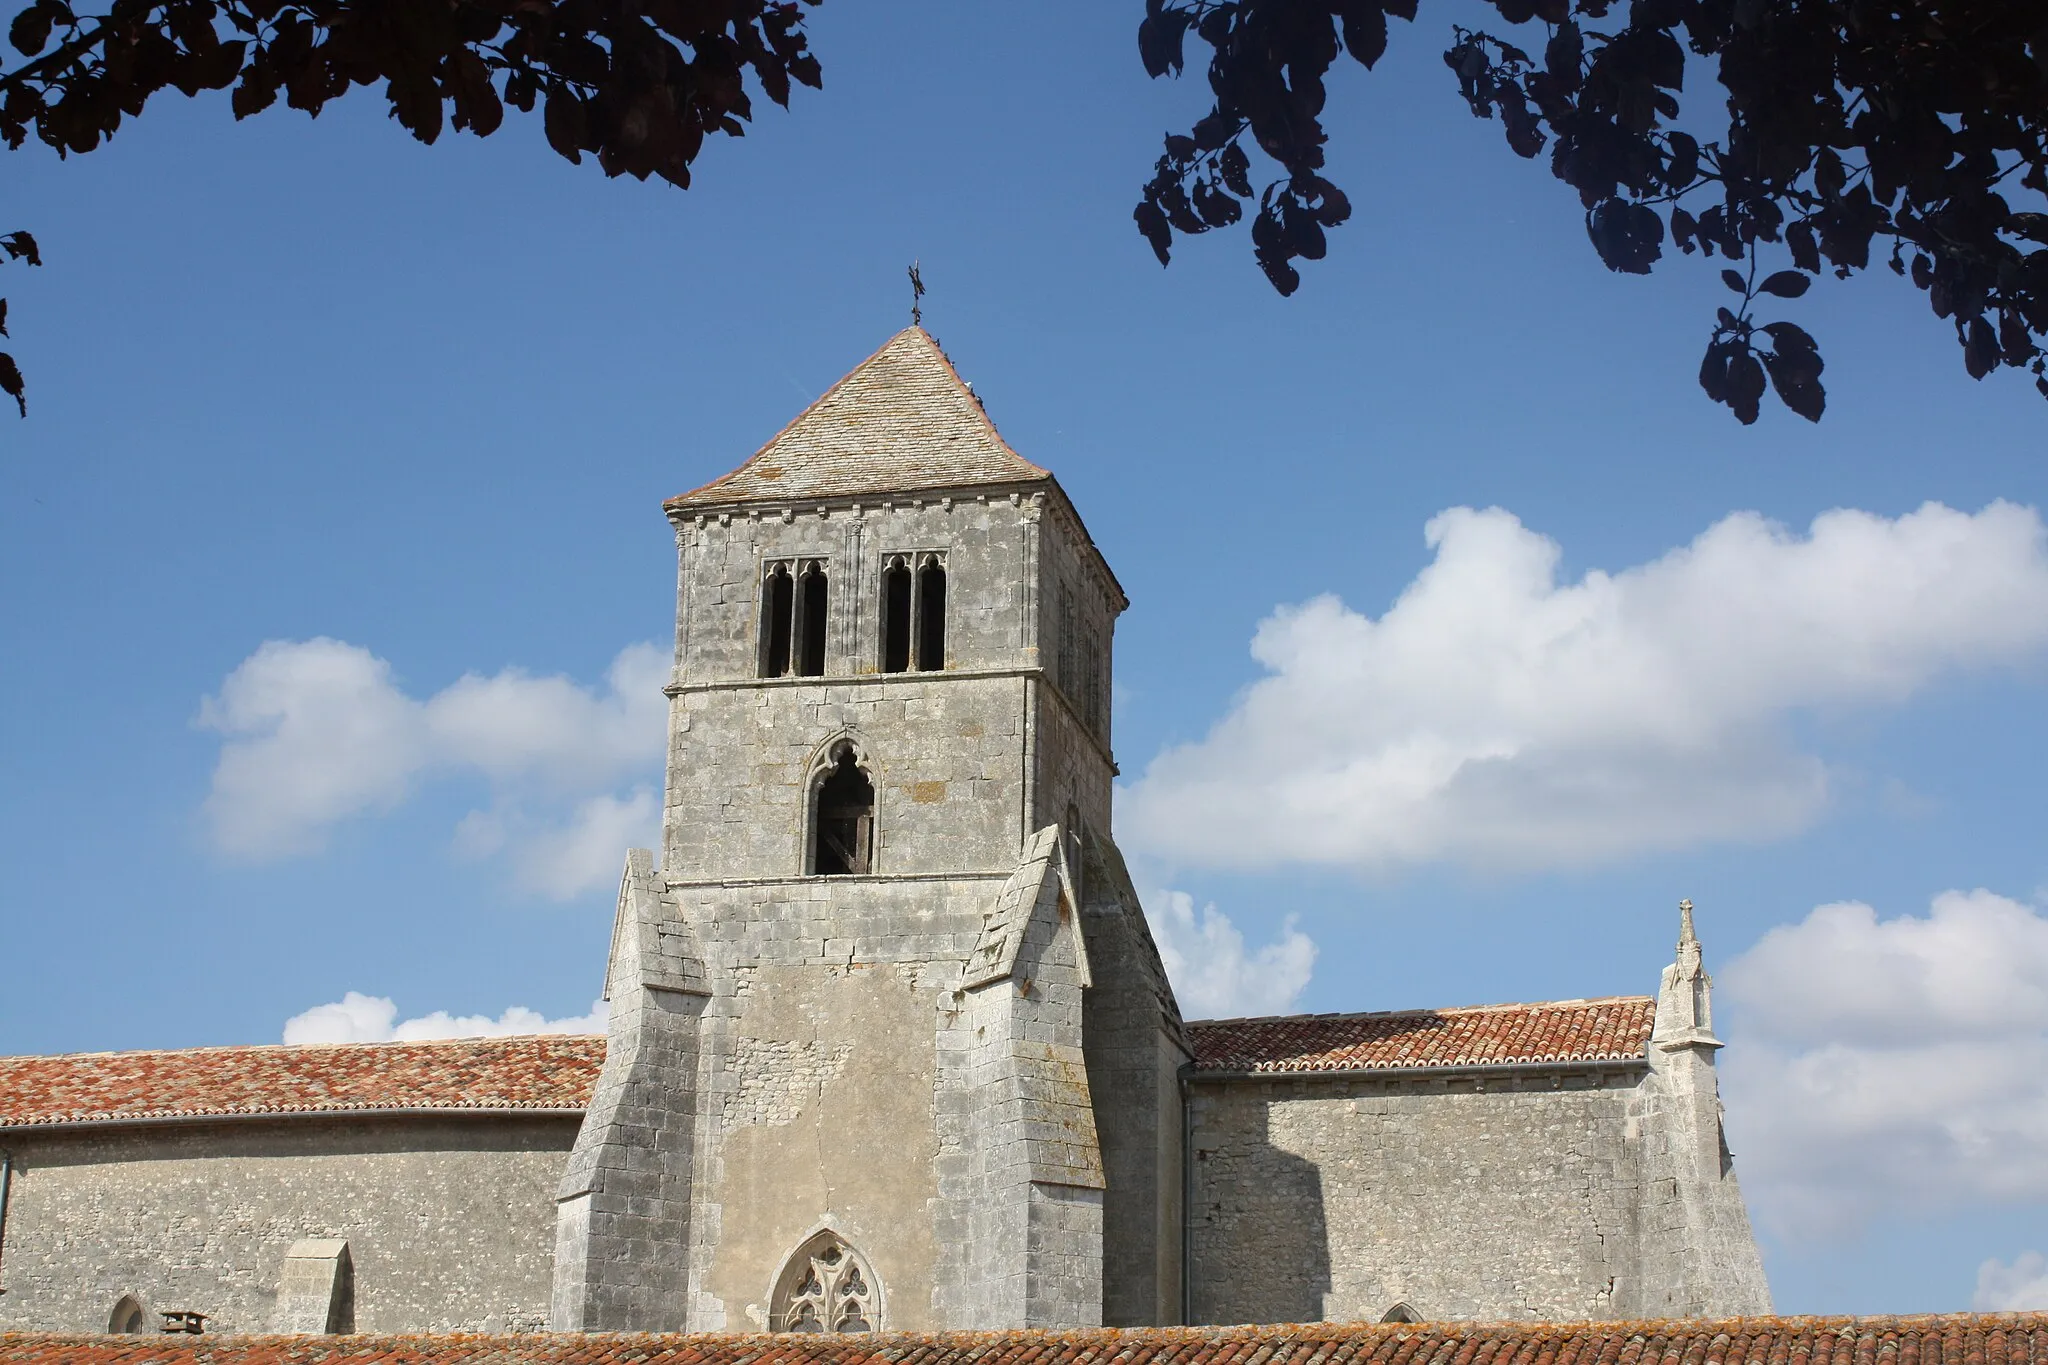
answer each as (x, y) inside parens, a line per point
(903, 422)
(1613, 1029)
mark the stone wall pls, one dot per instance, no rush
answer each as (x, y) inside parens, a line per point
(450, 1222)
(1461, 1197)
(989, 542)
(943, 753)
(816, 1078)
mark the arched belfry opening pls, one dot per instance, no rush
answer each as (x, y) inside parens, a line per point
(1400, 1312)
(826, 1286)
(843, 822)
(127, 1317)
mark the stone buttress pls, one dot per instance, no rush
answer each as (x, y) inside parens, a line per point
(1695, 1252)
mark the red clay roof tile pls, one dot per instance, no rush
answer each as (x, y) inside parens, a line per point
(1613, 1029)
(558, 1071)
(543, 1072)
(1956, 1339)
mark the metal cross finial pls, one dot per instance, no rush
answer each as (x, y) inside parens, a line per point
(916, 293)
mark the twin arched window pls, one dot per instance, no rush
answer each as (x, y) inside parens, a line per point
(914, 612)
(826, 1286)
(795, 607)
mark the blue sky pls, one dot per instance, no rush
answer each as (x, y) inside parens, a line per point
(294, 380)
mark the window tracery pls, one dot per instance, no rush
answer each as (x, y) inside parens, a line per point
(827, 1286)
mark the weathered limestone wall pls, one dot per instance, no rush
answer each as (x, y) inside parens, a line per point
(1336, 1199)
(943, 754)
(990, 544)
(817, 1077)
(449, 1222)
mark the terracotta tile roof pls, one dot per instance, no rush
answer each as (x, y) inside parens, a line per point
(1956, 1339)
(1615, 1028)
(558, 1071)
(902, 422)
(551, 1072)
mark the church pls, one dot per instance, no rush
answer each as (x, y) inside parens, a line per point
(890, 1046)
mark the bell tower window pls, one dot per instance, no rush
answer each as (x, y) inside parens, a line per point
(914, 612)
(795, 609)
(931, 613)
(896, 587)
(811, 616)
(844, 838)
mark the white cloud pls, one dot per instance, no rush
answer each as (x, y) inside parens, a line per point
(1890, 1066)
(358, 1018)
(564, 860)
(1496, 715)
(2021, 1287)
(317, 732)
(1213, 975)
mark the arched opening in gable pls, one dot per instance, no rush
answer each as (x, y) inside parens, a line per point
(127, 1317)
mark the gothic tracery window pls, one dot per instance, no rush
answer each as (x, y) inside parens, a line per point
(826, 1287)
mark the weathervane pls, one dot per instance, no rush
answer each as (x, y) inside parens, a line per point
(916, 293)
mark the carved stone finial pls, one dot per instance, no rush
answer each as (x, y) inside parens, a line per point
(1685, 933)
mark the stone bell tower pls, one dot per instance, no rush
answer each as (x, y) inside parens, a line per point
(890, 1045)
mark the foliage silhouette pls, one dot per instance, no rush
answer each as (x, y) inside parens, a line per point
(1850, 123)
(639, 84)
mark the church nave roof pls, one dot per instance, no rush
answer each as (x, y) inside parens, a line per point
(551, 1072)
(1616, 1028)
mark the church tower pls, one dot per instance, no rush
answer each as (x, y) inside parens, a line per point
(890, 1045)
